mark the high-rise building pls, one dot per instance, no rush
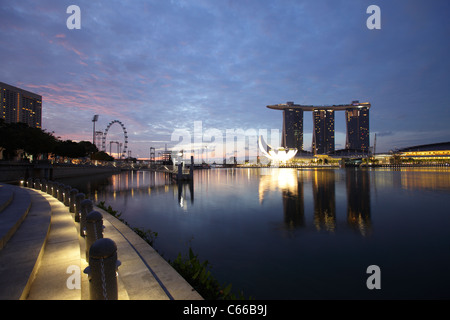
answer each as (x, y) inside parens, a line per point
(292, 135)
(357, 119)
(323, 135)
(18, 105)
(357, 128)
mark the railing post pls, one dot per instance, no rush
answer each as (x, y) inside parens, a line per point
(60, 196)
(55, 189)
(73, 193)
(37, 184)
(49, 187)
(44, 185)
(86, 207)
(102, 270)
(94, 229)
(78, 198)
(67, 195)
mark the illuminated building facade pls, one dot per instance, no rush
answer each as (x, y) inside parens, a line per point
(431, 153)
(323, 135)
(357, 121)
(18, 105)
(357, 115)
(292, 135)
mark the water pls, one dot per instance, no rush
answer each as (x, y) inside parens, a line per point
(298, 234)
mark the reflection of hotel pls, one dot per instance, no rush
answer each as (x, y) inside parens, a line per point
(324, 200)
(357, 120)
(358, 200)
(323, 182)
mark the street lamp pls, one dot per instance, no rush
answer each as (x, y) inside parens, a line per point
(94, 120)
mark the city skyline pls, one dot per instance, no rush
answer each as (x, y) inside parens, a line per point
(158, 66)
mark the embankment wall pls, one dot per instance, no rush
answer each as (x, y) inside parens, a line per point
(10, 173)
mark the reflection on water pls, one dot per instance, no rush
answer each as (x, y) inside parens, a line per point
(290, 184)
(358, 200)
(324, 200)
(287, 233)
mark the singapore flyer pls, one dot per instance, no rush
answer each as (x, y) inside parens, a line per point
(123, 153)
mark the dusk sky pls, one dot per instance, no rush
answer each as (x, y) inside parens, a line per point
(160, 65)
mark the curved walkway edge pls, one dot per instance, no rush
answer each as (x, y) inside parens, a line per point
(56, 258)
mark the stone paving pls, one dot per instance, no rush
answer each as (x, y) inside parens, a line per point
(43, 255)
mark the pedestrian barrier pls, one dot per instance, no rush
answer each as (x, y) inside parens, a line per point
(78, 198)
(102, 270)
(94, 229)
(101, 253)
(86, 206)
(73, 193)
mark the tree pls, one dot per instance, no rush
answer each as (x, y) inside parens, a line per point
(19, 136)
(89, 147)
(35, 141)
(102, 156)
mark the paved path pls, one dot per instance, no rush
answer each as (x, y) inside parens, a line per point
(42, 255)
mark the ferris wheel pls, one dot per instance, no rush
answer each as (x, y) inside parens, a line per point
(125, 135)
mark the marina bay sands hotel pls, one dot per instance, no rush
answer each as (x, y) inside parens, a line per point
(357, 120)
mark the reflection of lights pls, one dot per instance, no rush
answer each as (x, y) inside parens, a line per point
(277, 155)
(287, 179)
(282, 179)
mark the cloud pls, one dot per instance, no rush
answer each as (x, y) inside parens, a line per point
(161, 65)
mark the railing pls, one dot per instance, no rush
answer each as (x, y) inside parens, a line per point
(100, 252)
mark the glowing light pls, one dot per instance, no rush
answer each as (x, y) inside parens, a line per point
(277, 155)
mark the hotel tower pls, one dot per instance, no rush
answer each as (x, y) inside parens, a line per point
(357, 121)
(18, 105)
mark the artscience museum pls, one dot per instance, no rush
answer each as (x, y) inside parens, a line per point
(277, 155)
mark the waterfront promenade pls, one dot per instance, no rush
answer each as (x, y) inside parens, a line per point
(42, 254)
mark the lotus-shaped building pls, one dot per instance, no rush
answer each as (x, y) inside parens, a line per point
(276, 154)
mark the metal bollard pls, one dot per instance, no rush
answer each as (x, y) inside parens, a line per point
(29, 182)
(86, 207)
(37, 184)
(78, 198)
(61, 187)
(55, 190)
(67, 195)
(102, 270)
(73, 193)
(49, 187)
(44, 185)
(94, 229)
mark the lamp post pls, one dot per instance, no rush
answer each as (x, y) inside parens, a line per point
(94, 120)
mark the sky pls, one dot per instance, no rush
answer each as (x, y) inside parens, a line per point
(160, 66)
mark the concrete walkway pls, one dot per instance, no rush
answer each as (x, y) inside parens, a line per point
(42, 255)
